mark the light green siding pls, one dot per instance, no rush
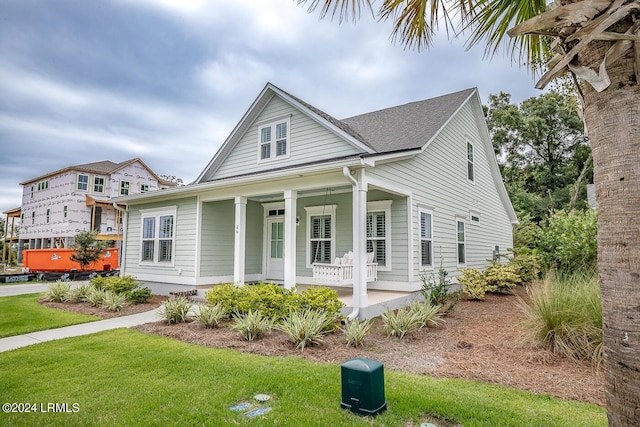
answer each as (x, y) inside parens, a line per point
(217, 241)
(253, 244)
(309, 142)
(185, 239)
(438, 181)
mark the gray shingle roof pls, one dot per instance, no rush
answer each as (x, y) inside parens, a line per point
(407, 126)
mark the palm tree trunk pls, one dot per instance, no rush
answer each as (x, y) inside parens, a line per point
(613, 122)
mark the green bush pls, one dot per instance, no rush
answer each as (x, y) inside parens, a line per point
(473, 283)
(527, 264)
(305, 328)
(437, 291)
(501, 278)
(565, 315)
(175, 310)
(98, 282)
(400, 323)
(355, 331)
(252, 324)
(139, 295)
(272, 300)
(113, 301)
(569, 241)
(58, 291)
(211, 316)
(120, 285)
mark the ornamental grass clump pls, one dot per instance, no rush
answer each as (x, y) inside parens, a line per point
(428, 313)
(355, 331)
(306, 328)
(252, 324)
(211, 316)
(58, 291)
(565, 315)
(400, 323)
(114, 301)
(78, 293)
(175, 310)
(95, 296)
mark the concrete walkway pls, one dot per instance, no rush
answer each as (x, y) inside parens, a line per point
(11, 290)
(18, 341)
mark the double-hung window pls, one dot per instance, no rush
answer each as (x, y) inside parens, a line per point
(274, 139)
(124, 188)
(379, 232)
(83, 182)
(462, 252)
(320, 234)
(158, 236)
(426, 238)
(98, 184)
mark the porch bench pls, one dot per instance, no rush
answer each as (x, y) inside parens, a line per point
(340, 272)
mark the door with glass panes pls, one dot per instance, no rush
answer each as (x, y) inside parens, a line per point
(275, 248)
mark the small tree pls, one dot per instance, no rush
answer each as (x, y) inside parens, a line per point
(87, 248)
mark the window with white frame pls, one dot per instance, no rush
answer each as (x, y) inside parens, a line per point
(158, 236)
(469, 161)
(83, 182)
(379, 232)
(144, 188)
(274, 139)
(426, 238)
(124, 188)
(462, 251)
(320, 234)
(98, 184)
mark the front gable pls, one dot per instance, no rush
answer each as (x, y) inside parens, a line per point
(280, 131)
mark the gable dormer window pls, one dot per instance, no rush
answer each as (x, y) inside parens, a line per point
(274, 140)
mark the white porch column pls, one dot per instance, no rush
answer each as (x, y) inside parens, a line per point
(362, 240)
(290, 208)
(239, 240)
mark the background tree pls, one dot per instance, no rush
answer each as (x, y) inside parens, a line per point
(597, 42)
(87, 248)
(542, 150)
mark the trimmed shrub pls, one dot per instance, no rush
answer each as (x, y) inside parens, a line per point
(98, 282)
(211, 316)
(58, 291)
(501, 278)
(305, 328)
(473, 283)
(175, 310)
(120, 284)
(252, 324)
(139, 295)
(400, 323)
(355, 331)
(114, 301)
(319, 298)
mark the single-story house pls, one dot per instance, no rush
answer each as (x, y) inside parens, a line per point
(296, 196)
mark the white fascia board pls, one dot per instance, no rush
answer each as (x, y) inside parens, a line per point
(193, 190)
(455, 113)
(323, 122)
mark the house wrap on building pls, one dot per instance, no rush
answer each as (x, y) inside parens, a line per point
(296, 196)
(60, 204)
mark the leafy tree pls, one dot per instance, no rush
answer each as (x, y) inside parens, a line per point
(596, 42)
(542, 151)
(87, 248)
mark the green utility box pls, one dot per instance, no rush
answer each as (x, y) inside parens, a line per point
(363, 387)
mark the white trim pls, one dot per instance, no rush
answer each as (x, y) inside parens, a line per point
(156, 213)
(474, 214)
(383, 206)
(272, 125)
(462, 220)
(290, 213)
(426, 211)
(469, 142)
(317, 211)
(208, 280)
(239, 242)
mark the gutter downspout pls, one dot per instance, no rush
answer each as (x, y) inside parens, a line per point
(356, 235)
(125, 218)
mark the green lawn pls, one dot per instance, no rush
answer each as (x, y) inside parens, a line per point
(22, 314)
(122, 377)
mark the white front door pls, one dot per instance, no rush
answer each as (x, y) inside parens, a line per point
(275, 249)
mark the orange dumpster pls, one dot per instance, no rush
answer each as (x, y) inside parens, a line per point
(60, 260)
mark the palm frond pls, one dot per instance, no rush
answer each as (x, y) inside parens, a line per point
(344, 9)
(491, 19)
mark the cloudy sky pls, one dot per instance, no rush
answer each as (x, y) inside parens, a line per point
(167, 80)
